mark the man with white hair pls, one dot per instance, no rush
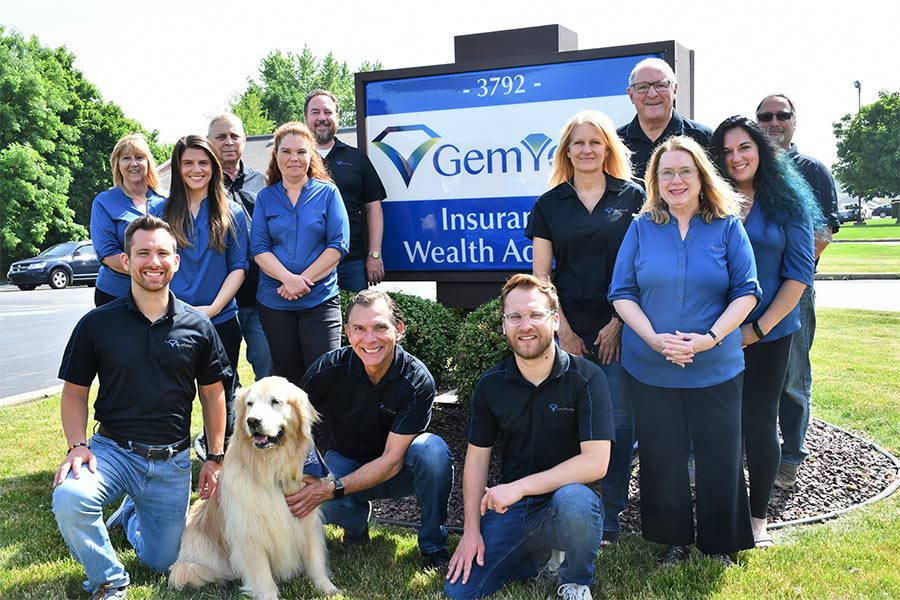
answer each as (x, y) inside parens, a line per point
(652, 88)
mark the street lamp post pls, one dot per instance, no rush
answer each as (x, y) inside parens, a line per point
(859, 211)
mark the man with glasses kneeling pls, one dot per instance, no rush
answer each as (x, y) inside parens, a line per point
(652, 89)
(553, 412)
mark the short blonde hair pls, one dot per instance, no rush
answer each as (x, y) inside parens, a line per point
(717, 198)
(527, 281)
(137, 143)
(618, 156)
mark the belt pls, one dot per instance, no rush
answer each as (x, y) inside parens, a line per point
(150, 452)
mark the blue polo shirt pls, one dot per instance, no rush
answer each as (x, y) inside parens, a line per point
(684, 285)
(820, 180)
(203, 269)
(782, 252)
(111, 213)
(297, 235)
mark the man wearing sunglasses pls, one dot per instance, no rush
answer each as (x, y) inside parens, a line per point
(552, 411)
(652, 88)
(777, 116)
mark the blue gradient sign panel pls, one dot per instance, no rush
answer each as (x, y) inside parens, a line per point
(464, 156)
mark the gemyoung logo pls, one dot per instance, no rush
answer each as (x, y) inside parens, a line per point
(406, 166)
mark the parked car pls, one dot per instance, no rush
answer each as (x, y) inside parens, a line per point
(849, 212)
(58, 266)
(883, 210)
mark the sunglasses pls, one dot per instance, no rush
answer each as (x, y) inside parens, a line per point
(768, 116)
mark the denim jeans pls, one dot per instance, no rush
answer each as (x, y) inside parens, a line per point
(352, 276)
(153, 521)
(427, 473)
(518, 542)
(257, 346)
(793, 410)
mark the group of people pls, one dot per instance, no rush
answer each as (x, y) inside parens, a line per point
(668, 312)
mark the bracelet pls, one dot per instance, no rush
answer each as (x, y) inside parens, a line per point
(757, 329)
(715, 338)
(73, 446)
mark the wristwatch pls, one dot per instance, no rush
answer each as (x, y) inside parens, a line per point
(338, 492)
(375, 254)
(216, 458)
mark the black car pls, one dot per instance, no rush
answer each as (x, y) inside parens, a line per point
(58, 266)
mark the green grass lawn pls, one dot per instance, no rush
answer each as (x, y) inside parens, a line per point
(874, 229)
(860, 258)
(857, 556)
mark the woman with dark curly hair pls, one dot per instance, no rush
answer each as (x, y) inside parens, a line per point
(299, 233)
(779, 213)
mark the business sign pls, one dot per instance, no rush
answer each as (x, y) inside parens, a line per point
(463, 156)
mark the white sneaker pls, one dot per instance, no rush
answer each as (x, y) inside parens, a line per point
(115, 519)
(573, 591)
(549, 573)
(200, 447)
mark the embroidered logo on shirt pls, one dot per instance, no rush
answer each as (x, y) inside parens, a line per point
(386, 409)
(557, 407)
(343, 162)
(176, 344)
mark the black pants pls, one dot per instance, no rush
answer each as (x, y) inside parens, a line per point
(766, 366)
(298, 337)
(101, 297)
(230, 333)
(667, 421)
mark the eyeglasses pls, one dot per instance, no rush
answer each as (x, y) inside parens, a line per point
(768, 116)
(537, 317)
(644, 87)
(669, 174)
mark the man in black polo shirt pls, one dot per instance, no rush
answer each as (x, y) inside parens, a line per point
(553, 412)
(149, 351)
(360, 187)
(227, 138)
(376, 401)
(652, 88)
(777, 116)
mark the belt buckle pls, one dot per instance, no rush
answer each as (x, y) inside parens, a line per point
(159, 453)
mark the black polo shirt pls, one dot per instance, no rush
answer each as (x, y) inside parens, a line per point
(148, 371)
(585, 246)
(360, 414)
(542, 425)
(638, 142)
(820, 180)
(243, 190)
(359, 184)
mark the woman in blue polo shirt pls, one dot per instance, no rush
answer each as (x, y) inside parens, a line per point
(684, 281)
(299, 233)
(779, 214)
(580, 222)
(133, 193)
(211, 235)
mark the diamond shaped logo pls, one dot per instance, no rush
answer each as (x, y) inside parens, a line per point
(406, 166)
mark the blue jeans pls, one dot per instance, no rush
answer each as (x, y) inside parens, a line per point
(518, 542)
(352, 276)
(427, 473)
(793, 410)
(153, 522)
(257, 346)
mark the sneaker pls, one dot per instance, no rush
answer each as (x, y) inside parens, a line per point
(117, 518)
(609, 538)
(200, 447)
(723, 559)
(786, 477)
(674, 554)
(439, 561)
(549, 573)
(351, 540)
(108, 592)
(572, 591)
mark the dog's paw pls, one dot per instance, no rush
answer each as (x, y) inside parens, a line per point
(326, 586)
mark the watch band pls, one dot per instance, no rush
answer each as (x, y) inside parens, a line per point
(375, 254)
(757, 329)
(338, 492)
(216, 458)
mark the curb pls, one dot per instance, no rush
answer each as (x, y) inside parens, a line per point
(875, 241)
(856, 276)
(26, 397)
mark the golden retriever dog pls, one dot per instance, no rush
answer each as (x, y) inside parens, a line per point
(250, 534)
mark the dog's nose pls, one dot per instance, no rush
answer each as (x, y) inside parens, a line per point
(252, 422)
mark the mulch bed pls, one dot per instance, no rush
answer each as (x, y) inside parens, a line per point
(841, 471)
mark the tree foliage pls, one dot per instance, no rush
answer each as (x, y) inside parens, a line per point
(868, 149)
(56, 134)
(284, 80)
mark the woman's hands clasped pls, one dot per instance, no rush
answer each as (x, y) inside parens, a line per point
(679, 347)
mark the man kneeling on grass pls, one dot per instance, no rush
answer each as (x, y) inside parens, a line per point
(553, 412)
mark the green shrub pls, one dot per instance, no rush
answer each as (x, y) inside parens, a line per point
(431, 330)
(480, 346)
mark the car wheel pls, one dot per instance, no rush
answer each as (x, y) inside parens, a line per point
(26, 288)
(59, 279)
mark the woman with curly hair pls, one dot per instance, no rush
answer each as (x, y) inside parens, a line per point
(683, 283)
(299, 233)
(211, 235)
(580, 222)
(779, 214)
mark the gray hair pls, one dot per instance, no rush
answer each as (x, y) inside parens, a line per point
(654, 63)
(226, 116)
